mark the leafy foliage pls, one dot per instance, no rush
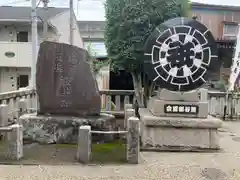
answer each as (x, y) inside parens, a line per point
(129, 24)
(97, 65)
(185, 7)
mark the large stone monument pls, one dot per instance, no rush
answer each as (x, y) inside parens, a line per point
(65, 82)
(181, 54)
(68, 96)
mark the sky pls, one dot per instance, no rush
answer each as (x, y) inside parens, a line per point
(93, 10)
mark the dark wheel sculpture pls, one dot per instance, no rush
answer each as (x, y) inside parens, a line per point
(179, 54)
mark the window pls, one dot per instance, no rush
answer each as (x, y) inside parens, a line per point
(22, 36)
(22, 81)
(230, 30)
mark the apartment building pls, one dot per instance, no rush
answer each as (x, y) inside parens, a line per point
(15, 41)
(92, 33)
(223, 22)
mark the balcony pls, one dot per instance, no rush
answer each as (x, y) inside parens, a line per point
(15, 54)
(92, 35)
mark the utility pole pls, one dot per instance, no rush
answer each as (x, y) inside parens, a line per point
(71, 22)
(45, 23)
(34, 50)
(34, 44)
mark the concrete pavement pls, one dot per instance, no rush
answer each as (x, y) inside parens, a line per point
(224, 165)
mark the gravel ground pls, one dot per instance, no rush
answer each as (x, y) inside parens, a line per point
(224, 165)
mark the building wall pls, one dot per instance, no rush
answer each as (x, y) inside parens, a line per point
(215, 19)
(11, 68)
(103, 78)
(22, 50)
(8, 33)
(8, 78)
(61, 21)
(92, 30)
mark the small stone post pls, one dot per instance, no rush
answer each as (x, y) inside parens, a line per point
(22, 106)
(126, 107)
(3, 115)
(84, 144)
(129, 113)
(204, 98)
(3, 118)
(133, 144)
(203, 94)
(15, 142)
(214, 139)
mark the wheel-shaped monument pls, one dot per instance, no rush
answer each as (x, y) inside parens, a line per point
(180, 55)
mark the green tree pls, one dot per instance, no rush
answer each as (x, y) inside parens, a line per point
(128, 25)
(185, 8)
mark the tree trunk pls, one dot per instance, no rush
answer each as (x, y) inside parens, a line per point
(137, 83)
(149, 87)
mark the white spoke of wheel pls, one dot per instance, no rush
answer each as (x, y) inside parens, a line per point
(197, 62)
(173, 71)
(186, 71)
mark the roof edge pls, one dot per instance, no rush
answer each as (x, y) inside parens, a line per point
(24, 19)
(215, 6)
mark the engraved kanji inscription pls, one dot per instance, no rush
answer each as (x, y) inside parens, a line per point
(180, 109)
(64, 80)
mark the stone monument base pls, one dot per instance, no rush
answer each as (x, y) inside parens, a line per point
(178, 133)
(47, 129)
(156, 107)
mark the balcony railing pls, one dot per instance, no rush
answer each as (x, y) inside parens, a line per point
(113, 102)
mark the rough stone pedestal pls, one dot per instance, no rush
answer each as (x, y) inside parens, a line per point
(62, 129)
(178, 131)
